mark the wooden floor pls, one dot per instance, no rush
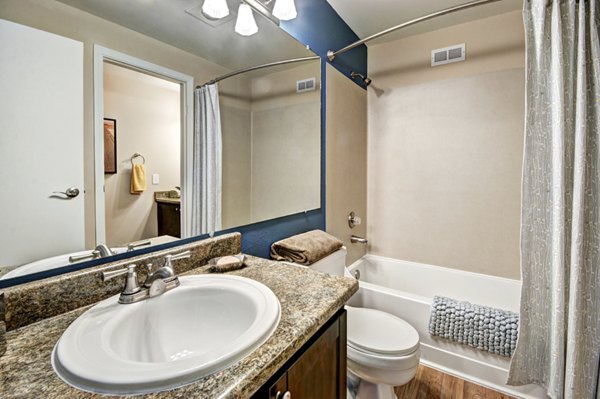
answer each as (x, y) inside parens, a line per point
(432, 384)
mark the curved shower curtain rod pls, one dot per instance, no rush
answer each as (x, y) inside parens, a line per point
(332, 54)
(254, 68)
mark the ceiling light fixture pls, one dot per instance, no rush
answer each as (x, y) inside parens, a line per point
(245, 24)
(285, 10)
(215, 8)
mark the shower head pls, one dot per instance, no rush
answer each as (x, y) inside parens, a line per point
(366, 80)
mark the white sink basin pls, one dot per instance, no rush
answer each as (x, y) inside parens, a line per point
(51, 263)
(206, 324)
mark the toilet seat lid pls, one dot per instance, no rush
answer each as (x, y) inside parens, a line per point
(379, 332)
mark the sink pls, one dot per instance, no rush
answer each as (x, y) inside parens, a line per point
(206, 324)
(51, 263)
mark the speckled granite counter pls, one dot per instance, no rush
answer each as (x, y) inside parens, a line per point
(26, 372)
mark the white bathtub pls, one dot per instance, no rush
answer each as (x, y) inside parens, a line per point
(406, 289)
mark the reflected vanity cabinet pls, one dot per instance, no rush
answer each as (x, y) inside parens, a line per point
(317, 370)
(169, 218)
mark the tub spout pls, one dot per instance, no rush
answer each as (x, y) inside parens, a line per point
(355, 239)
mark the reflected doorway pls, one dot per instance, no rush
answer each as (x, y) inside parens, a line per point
(143, 136)
(142, 155)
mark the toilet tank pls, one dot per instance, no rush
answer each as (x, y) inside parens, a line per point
(334, 264)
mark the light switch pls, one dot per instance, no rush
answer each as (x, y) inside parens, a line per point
(155, 178)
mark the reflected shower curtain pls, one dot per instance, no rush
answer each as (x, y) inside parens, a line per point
(206, 173)
(559, 338)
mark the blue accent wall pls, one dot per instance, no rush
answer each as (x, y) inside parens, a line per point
(319, 26)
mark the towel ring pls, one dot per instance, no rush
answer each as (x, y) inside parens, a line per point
(137, 154)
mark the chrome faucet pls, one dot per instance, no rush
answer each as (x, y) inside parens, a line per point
(356, 239)
(101, 251)
(104, 250)
(158, 281)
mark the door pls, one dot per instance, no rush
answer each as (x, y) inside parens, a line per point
(41, 144)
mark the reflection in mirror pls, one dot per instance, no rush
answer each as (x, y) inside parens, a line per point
(271, 145)
(271, 132)
(145, 114)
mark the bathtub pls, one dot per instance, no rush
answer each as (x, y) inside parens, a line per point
(406, 289)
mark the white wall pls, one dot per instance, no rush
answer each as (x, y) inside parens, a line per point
(147, 110)
(445, 148)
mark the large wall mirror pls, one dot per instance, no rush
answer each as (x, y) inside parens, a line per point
(98, 88)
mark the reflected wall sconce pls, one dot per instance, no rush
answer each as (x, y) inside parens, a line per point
(215, 8)
(245, 24)
(285, 10)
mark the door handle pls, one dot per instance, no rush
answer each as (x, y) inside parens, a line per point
(69, 193)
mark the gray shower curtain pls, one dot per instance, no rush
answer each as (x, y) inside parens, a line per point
(559, 338)
(207, 162)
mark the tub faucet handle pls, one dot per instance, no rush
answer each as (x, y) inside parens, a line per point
(353, 220)
(356, 239)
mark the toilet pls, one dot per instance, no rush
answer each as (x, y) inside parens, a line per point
(383, 350)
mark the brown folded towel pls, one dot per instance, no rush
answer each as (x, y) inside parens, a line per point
(305, 248)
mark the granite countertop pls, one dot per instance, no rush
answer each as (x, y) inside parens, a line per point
(167, 197)
(26, 372)
(166, 200)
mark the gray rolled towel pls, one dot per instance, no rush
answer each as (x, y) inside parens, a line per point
(305, 248)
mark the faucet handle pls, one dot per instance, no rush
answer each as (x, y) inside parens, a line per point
(94, 254)
(136, 244)
(171, 257)
(131, 283)
(150, 268)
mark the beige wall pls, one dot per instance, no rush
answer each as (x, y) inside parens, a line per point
(286, 143)
(445, 148)
(236, 127)
(346, 173)
(271, 147)
(63, 20)
(147, 110)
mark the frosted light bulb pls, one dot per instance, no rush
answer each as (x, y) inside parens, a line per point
(285, 10)
(245, 24)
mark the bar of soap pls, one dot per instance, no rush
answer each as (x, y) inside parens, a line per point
(226, 263)
(226, 260)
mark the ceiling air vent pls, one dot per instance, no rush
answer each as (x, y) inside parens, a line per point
(306, 85)
(448, 55)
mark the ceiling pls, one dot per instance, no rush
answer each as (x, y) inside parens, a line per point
(367, 17)
(168, 21)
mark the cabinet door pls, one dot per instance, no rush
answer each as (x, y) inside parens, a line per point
(169, 219)
(278, 390)
(316, 374)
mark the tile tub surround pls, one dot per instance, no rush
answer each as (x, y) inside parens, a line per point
(26, 372)
(27, 303)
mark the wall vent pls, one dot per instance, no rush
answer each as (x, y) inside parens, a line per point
(448, 55)
(306, 85)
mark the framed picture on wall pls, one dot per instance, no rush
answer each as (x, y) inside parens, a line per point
(110, 145)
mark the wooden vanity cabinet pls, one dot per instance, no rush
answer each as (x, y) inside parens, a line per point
(317, 370)
(169, 219)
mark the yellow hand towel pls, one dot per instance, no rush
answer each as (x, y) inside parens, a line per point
(138, 178)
